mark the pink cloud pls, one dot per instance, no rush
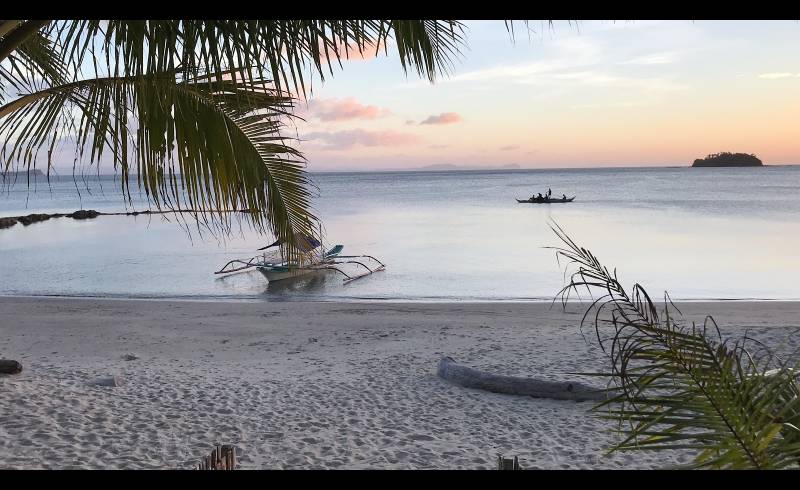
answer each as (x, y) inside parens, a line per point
(342, 140)
(509, 147)
(350, 52)
(343, 110)
(443, 118)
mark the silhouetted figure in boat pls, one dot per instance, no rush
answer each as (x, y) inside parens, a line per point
(540, 197)
(549, 193)
(563, 197)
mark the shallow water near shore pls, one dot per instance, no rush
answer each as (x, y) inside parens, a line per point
(730, 233)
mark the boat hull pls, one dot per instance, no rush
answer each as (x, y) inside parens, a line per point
(548, 201)
(273, 275)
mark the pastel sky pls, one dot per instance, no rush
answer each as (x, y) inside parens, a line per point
(599, 93)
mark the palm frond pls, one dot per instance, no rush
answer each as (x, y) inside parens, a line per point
(201, 99)
(214, 146)
(15, 33)
(31, 61)
(684, 387)
(284, 49)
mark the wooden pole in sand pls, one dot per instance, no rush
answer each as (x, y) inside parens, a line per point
(221, 458)
(507, 463)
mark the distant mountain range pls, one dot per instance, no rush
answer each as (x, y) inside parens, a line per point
(34, 174)
(449, 166)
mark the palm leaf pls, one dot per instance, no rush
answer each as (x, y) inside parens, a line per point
(201, 99)
(31, 61)
(284, 49)
(211, 146)
(684, 387)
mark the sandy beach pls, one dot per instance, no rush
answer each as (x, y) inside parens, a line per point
(311, 385)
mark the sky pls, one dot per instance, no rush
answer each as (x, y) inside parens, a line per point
(591, 94)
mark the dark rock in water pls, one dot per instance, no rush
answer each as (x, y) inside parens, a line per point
(727, 159)
(33, 218)
(112, 381)
(7, 222)
(8, 366)
(84, 214)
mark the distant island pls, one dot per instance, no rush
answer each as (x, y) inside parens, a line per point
(727, 159)
(34, 174)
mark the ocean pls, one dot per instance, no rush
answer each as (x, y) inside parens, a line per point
(698, 233)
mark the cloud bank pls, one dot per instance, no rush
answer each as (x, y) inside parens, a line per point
(443, 118)
(773, 76)
(344, 140)
(343, 110)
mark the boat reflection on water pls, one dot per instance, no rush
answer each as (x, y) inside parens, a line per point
(314, 283)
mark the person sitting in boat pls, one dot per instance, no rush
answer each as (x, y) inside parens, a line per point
(540, 197)
(563, 197)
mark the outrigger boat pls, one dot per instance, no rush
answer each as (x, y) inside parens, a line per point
(545, 200)
(275, 268)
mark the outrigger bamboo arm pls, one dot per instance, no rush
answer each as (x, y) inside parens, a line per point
(357, 256)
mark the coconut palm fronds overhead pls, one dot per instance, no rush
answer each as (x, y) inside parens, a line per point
(195, 113)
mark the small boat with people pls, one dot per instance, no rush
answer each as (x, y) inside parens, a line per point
(312, 257)
(546, 198)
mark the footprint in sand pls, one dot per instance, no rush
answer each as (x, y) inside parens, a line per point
(420, 437)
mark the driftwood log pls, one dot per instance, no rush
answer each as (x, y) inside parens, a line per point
(10, 367)
(512, 385)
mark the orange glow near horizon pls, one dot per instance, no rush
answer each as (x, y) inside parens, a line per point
(647, 93)
(682, 90)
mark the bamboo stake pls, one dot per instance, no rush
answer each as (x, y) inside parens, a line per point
(221, 458)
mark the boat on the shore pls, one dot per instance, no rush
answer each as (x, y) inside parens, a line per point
(545, 200)
(313, 258)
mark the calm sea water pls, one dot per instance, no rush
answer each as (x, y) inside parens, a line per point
(697, 233)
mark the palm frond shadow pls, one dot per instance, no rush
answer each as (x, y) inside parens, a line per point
(684, 387)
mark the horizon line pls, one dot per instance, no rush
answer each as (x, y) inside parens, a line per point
(420, 169)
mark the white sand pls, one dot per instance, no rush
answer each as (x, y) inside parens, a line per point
(308, 385)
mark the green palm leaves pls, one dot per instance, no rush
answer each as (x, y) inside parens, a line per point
(684, 387)
(193, 112)
(29, 57)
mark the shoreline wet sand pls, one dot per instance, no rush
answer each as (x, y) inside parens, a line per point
(311, 385)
